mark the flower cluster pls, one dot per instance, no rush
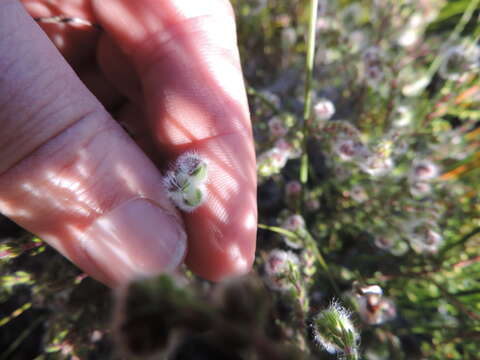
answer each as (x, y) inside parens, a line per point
(373, 66)
(421, 174)
(273, 160)
(348, 146)
(185, 181)
(424, 236)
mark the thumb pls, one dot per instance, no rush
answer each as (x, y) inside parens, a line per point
(68, 173)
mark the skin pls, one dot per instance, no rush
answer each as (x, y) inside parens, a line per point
(169, 72)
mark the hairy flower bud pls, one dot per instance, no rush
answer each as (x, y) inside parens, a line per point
(312, 204)
(424, 237)
(293, 188)
(420, 189)
(335, 332)
(384, 242)
(185, 182)
(358, 194)
(324, 110)
(278, 266)
(349, 149)
(376, 165)
(423, 170)
(272, 161)
(277, 128)
(295, 223)
(459, 60)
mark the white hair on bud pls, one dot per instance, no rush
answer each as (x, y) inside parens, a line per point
(185, 181)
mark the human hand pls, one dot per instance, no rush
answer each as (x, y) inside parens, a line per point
(68, 171)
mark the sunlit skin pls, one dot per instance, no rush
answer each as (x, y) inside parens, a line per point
(170, 73)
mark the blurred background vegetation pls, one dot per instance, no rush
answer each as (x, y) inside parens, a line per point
(377, 186)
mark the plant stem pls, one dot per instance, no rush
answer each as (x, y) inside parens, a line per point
(307, 107)
(279, 230)
(321, 260)
(19, 340)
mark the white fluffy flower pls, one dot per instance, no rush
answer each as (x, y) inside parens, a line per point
(416, 87)
(324, 110)
(424, 236)
(423, 170)
(376, 165)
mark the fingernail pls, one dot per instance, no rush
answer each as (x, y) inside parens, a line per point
(137, 238)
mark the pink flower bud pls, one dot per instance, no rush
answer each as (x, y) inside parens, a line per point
(294, 223)
(312, 204)
(293, 188)
(372, 56)
(376, 165)
(424, 237)
(420, 188)
(277, 127)
(277, 268)
(358, 194)
(374, 75)
(347, 149)
(324, 109)
(384, 242)
(424, 170)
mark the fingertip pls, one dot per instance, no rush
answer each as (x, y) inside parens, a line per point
(221, 251)
(126, 242)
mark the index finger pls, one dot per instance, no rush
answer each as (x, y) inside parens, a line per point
(186, 56)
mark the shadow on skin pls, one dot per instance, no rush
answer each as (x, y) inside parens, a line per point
(189, 82)
(67, 37)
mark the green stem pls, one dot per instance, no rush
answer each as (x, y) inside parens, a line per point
(278, 230)
(321, 260)
(309, 64)
(19, 340)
